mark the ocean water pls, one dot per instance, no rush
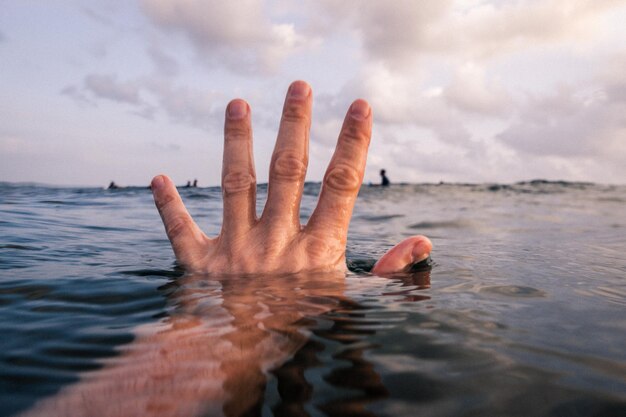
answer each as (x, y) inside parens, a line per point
(522, 312)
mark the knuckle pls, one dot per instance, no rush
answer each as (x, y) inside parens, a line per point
(356, 133)
(342, 178)
(237, 182)
(288, 166)
(295, 113)
(178, 226)
(319, 248)
(236, 131)
(165, 201)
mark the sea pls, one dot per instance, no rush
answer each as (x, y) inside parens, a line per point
(521, 310)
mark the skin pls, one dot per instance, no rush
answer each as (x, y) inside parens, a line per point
(276, 242)
(268, 273)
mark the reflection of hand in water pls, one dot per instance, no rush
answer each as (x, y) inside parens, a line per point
(276, 242)
(210, 356)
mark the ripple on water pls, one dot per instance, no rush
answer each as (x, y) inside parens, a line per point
(444, 224)
(611, 294)
(380, 218)
(80, 282)
(516, 291)
(22, 247)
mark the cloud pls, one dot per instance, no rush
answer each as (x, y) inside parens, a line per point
(101, 16)
(187, 106)
(164, 63)
(472, 126)
(400, 35)
(462, 90)
(404, 101)
(491, 28)
(148, 96)
(235, 34)
(391, 34)
(575, 121)
(472, 92)
(107, 86)
(77, 94)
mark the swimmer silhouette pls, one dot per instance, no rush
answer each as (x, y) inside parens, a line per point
(112, 186)
(195, 183)
(384, 181)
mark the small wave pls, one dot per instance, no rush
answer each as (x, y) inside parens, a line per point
(109, 228)
(450, 224)
(612, 294)
(612, 199)
(167, 273)
(198, 196)
(21, 247)
(516, 291)
(575, 184)
(60, 202)
(381, 218)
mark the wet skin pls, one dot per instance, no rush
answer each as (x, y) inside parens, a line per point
(276, 242)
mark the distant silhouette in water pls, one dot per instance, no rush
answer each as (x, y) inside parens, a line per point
(188, 184)
(384, 181)
(113, 186)
(195, 183)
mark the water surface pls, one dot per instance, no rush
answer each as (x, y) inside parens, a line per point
(523, 312)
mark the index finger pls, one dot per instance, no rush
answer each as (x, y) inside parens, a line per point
(187, 240)
(344, 175)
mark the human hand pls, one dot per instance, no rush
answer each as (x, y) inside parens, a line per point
(277, 242)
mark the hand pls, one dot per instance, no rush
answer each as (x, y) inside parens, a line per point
(277, 242)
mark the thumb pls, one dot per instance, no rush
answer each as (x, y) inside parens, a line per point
(402, 256)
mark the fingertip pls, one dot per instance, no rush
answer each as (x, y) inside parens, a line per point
(409, 252)
(158, 182)
(237, 109)
(360, 109)
(299, 89)
(422, 247)
(163, 191)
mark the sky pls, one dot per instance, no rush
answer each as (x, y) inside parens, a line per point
(461, 90)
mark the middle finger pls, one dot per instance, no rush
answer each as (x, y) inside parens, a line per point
(290, 157)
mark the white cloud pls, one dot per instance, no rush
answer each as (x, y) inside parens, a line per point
(187, 106)
(493, 28)
(400, 33)
(395, 34)
(237, 35)
(578, 121)
(149, 96)
(471, 91)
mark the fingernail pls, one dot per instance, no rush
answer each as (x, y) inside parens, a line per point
(237, 109)
(299, 89)
(158, 182)
(360, 110)
(421, 251)
(419, 258)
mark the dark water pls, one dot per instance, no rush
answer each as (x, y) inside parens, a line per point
(522, 314)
